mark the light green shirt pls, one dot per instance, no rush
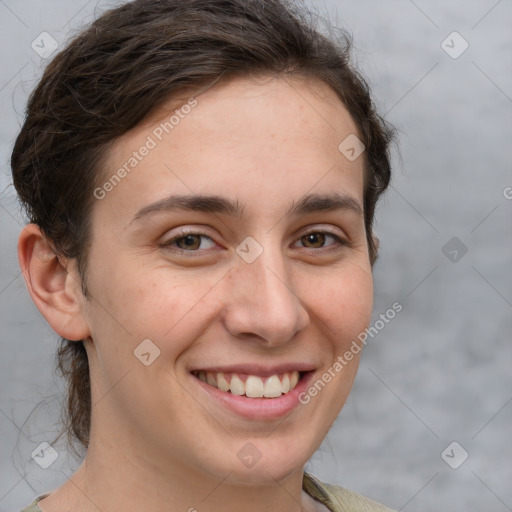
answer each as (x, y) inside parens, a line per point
(335, 498)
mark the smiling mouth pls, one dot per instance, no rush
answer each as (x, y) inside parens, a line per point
(251, 386)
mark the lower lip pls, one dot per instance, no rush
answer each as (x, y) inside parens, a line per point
(258, 408)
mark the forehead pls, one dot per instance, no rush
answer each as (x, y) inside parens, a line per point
(253, 139)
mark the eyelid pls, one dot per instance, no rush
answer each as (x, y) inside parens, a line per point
(181, 233)
(324, 228)
(340, 237)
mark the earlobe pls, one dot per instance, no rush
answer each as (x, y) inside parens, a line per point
(53, 286)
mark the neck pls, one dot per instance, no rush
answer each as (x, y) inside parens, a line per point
(118, 479)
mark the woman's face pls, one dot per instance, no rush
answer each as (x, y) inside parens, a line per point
(231, 250)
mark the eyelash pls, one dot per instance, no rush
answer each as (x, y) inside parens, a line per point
(168, 244)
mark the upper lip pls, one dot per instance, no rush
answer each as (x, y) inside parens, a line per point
(256, 369)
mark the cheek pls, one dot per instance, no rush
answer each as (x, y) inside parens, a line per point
(343, 305)
(169, 308)
(129, 308)
(341, 309)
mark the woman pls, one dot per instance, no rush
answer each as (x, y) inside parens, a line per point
(201, 179)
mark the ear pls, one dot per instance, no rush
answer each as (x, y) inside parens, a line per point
(53, 284)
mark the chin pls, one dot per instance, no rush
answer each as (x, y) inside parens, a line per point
(274, 462)
(265, 473)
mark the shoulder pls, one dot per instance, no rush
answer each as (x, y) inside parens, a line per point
(339, 499)
(336, 498)
(33, 507)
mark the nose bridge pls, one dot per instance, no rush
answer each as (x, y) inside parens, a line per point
(264, 300)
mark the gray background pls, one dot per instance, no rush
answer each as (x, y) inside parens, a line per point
(440, 371)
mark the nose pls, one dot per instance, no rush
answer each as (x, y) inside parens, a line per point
(263, 304)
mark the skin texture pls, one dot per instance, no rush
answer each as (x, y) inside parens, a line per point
(158, 441)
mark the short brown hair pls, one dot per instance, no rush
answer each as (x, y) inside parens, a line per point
(122, 67)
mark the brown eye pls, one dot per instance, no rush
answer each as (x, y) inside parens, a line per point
(313, 240)
(185, 242)
(189, 242)
(320, 240)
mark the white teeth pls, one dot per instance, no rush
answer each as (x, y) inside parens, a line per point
(254, 386)
(285, 384)
(222, 383)
(294, 379)
(273, 387)
(210, 378)
(237, 386)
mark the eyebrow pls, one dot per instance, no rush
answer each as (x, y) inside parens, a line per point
(217, 204)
